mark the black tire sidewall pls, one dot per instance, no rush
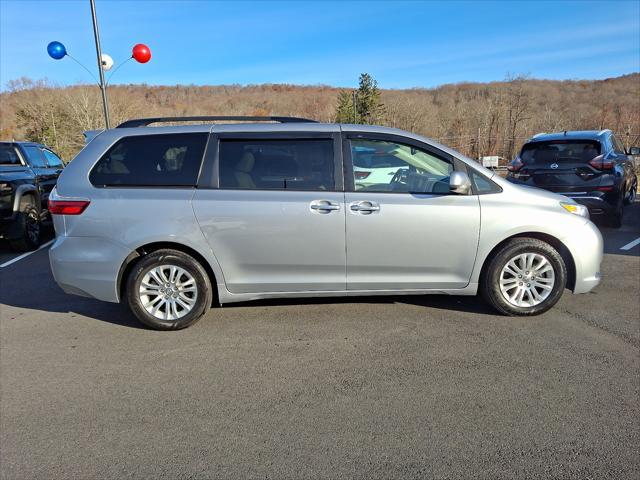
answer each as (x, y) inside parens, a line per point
(616, 218)
(490, 287)
(168, 257)
(22, 241)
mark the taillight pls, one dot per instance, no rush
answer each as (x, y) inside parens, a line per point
(358, 175)
(516, 165)
(599, 163)
(67, 207)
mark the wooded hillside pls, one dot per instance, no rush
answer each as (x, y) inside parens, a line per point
(476, 118)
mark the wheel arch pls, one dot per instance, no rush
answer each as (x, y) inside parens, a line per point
(556, 243)
(148, 248)
(24, 191)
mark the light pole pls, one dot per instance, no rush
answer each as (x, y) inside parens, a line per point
(103, 86)
(140, 53)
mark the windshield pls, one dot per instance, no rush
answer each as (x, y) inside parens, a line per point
(560, 151)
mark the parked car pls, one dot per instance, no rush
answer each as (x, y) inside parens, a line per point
(172, 219)
(591, 167)
(28, 173)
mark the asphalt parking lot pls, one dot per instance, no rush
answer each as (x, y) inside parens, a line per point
(394, 387)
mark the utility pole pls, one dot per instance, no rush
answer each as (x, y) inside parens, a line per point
(103, 86)
(355, 106)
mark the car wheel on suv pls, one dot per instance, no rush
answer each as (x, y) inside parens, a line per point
(27, 229)
(630, 197)
(525, 277)
(168, 290)
(615, 221)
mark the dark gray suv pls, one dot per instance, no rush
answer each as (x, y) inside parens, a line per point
(591, 167)
(28, 173)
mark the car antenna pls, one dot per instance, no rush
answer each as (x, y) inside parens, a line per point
(565, 133)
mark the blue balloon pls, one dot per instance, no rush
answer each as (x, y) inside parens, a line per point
(56, 50)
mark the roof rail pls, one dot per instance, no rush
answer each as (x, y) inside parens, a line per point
(143, 122)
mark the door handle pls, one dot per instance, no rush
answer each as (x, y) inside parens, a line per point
(324, 206)
(365, 207)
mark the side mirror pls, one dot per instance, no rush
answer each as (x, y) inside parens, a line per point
(459, 183)
(634, 151)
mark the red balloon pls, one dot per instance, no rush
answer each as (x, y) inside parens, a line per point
(141, 53)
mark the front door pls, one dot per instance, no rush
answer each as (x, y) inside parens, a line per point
(276, 219)
(404, 229)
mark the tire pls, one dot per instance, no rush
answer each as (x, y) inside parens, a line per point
(631, 196)
(490, 286)
(27, 228)
(615, 220)
(170, 314)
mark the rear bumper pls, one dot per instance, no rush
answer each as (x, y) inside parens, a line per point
(88, 266)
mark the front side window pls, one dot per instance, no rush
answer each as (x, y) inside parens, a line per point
(52, 159)
(296, 164)
(171, 160)
(8, 155)
(382, 166)
(35, 157)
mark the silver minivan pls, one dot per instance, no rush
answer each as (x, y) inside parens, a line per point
(175, 219)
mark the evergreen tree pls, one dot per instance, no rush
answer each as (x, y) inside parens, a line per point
(344, 109)
(369, 108)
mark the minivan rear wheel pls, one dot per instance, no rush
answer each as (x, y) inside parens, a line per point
(525, 277)
(168, 290)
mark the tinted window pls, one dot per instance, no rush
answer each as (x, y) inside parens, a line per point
(35, 157)
(277, 164)
(8, 155)
(52, 159)
(482, 184)
(560, 151)
(152, 160)
(381, 166)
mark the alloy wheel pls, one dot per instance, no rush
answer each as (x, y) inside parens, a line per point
(527, 280)
(168, 292)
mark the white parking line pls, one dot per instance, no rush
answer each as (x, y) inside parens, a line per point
(630, 245)
(24, 255)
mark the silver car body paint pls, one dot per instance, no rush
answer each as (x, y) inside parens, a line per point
(267, 244)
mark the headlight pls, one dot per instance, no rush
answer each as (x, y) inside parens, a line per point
(575, 209)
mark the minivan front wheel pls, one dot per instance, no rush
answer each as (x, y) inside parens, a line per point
(168, 290)
(525, 277)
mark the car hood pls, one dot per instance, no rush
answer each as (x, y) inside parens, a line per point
(531, 194)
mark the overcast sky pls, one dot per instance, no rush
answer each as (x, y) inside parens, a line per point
(402, 44)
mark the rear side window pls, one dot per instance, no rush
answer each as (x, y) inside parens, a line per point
(151, 161)
(297, 164)
(560, 151)
(617, 145)
(8, 155)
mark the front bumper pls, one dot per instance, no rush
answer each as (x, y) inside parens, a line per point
(9, 227)
(586, 247)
